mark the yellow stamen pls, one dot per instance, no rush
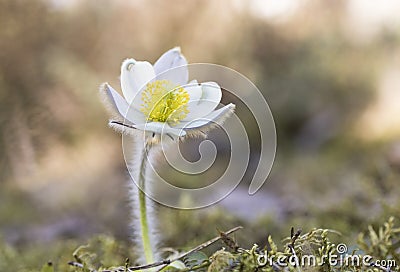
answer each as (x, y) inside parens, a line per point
(164, 103)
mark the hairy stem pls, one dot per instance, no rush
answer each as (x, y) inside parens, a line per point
(143, 217)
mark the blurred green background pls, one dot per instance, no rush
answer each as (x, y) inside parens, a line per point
(329, 70)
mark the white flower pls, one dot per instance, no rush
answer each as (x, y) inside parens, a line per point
(159, 99)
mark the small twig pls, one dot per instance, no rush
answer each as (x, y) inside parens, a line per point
(121, 124)
(117, 270)
(294, 236)
(76, 264)
(231, 243)
(139, 267)
(203, 245)
(126, 264)
(166, 262)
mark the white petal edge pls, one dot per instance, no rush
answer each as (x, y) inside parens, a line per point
(134, 76)
(211, 95)
(214, 118)
(193, 88)
(118, 105)
(160, 128)
(172, 66)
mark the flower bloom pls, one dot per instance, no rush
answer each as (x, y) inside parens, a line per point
(159, 99)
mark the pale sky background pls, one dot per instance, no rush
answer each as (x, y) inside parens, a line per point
(364, 19)
(365, 15)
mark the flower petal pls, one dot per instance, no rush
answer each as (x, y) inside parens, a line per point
(215, 117)
(164, 67)
(210, 97)
(194, 90)
(134, 75)
(118, 105)
(160, 128)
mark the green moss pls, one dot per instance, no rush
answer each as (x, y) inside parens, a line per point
(105, 253)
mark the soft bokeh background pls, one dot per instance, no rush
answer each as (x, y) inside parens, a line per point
(330, 71)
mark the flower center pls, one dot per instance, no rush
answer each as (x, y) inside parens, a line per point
(164, 103)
